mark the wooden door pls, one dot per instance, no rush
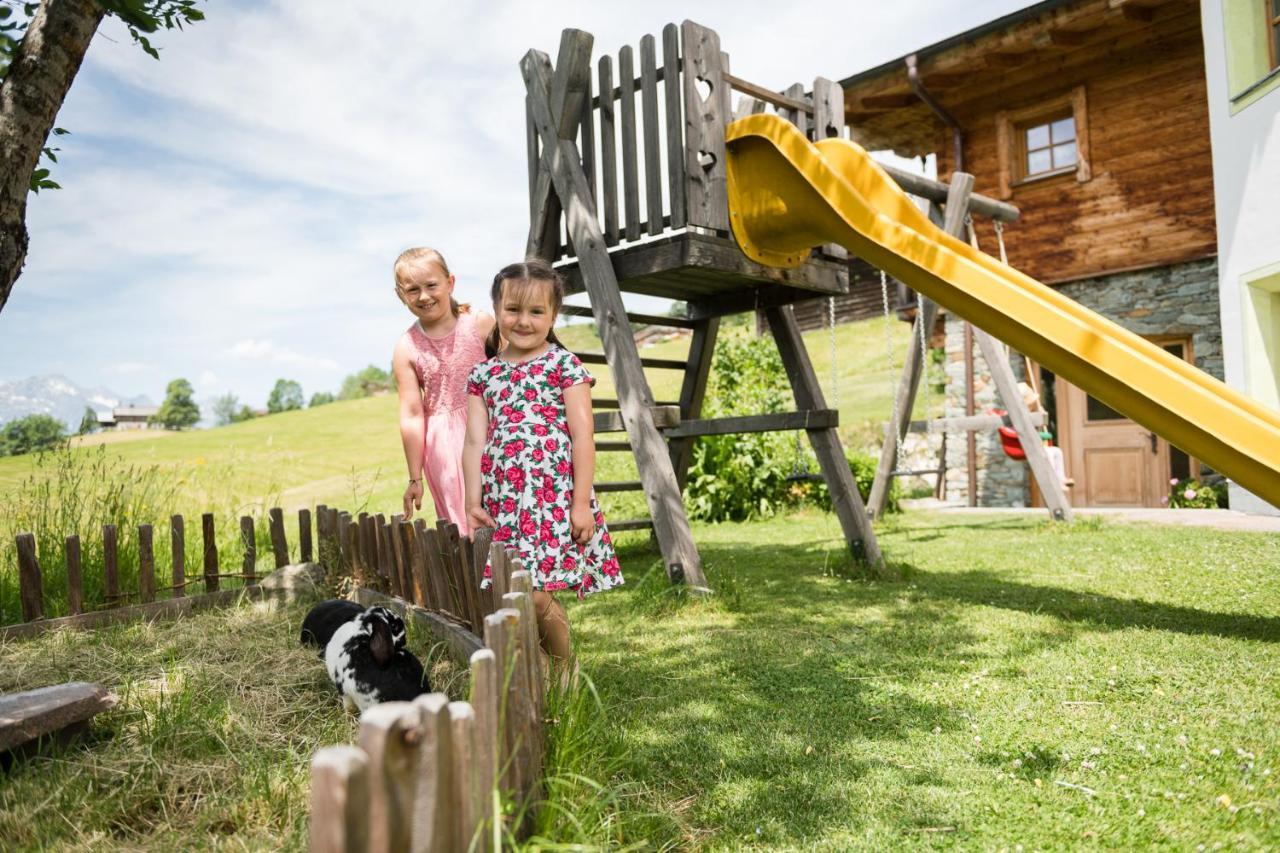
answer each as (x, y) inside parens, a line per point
(1114, 461)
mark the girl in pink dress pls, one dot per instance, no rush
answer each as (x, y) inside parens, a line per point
(431, 363)
(529, 456)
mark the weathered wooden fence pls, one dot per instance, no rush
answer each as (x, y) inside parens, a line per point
(148, 597)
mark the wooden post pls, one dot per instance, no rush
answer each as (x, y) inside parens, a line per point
(487, 702)
(674, 124)
(434, 813)
(415, 557)
(702, 348)
(522, 583)
(437, 573)
(499, 572)
(75, 577)
(480, 542)
(467, 805)
(399, 559)
(110, 565)
(388, 735)
(210, 553)
(390, 563)
(705, 121)
(958, 194)
(335, 543)
(304, 536)
(178, 554)
(630, 167)
(346, 544)
(845, 498)
(662, 492)
(30, 585)
(339, 800)
(652, 140)
(250, 539)
(146, 565)
(500, 636)
(279, 545)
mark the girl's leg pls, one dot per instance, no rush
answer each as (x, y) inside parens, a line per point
(553, 625)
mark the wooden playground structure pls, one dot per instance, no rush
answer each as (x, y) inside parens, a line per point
(667, 232)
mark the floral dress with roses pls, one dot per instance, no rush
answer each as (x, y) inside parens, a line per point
(527, 472)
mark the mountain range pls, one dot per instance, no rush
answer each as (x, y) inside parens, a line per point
(58, 396)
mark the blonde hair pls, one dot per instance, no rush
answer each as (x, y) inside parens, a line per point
(419, 256)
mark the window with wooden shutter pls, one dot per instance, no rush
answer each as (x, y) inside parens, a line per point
(1044, 140)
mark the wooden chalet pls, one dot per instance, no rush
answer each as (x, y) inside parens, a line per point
(1090, 116)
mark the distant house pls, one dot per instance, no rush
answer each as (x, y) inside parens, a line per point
(1242, 65)
(133, 417)
(1092, 117)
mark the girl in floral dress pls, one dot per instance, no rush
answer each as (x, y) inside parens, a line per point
(529, 456)
(431, 363)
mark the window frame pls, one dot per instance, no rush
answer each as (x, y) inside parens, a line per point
(1011, 127)
(1271, 20)
(1022, 130)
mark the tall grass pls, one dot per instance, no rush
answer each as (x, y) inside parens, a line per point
(77, 492)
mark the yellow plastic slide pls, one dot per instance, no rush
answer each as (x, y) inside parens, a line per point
(787, 194)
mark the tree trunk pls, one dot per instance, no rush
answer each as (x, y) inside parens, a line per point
(30, 97)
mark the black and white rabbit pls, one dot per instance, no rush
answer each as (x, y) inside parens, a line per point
(368, 662)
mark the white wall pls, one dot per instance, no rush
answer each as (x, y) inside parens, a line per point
(1246, 176)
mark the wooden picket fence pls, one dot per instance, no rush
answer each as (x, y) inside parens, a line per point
(146, 599)
(433, 774)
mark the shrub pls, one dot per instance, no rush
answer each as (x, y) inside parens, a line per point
(1192, 494)
(863, 468)
(372, 380)
(29, 434)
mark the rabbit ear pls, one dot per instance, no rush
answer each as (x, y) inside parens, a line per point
(381, 644)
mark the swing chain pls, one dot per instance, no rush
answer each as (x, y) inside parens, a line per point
(894, 388)
(1004, 257)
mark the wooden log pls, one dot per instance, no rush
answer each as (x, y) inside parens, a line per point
(369, 552)
(481, 538)
(146, 565)
(501, 636)
(162, 609)
(467, 800)
(400, 559)
(210, 541)
(30, 584)
(110, 565)
(390, 565)
(75, 577)
(430, 575)
(335, 546)
(705, 122)
(521, 582)
(279, 545)
(438, 572)
(499, 570)
(304, 535)
(608, 154)
(34, 713)
(323, 533)
(339, 820)
(249, 538)
(522, 716)
(672, 98)
(651, 136)
(469, 601)
(178, 554)
(416, 564)
(627, 127)
(347, 543)
(389, 735)
(486, 699)
(435, 818)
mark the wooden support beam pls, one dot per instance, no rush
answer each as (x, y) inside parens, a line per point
(645, 319)
(774, 422)
(30, 584)
(973, 422)
(662, 492)
(692, 392)
(619, 486)
(787, 100)
(660, 363)
(663, 417)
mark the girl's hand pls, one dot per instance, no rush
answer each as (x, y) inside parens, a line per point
(477, 517)
(412, 499)
(582, 524)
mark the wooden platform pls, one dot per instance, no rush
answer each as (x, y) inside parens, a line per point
(24, 717)
(713, 275)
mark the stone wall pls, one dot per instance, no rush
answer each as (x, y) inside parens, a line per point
(1179, 300)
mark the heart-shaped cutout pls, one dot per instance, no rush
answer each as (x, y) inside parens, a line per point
(704, 88)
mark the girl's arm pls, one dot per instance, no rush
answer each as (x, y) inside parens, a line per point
(582, 433)
(413, 427)
(484, 324)
(472, 449)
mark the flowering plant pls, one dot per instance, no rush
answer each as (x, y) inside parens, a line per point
(1192, 494)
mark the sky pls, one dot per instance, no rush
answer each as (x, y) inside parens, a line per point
(231, 212)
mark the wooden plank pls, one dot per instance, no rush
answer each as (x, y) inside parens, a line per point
(499, 572)
(613, 447)
(388, 737)
(532, 157)
(826, 443)
(468, 601)
(608, 153)
(466, 798)
(501, 637)
(279, 545)
(414, 564)
(30, 585)
(452, 570)
(162, 609)
(705, 121)
(439, 573)
(828, 123)
(663, 417)
(522, 582)
(339, 821)
(32, 714)
(178, 554)
(587, 129)
(645, 319)
(435, 818)
(773, 422)
(481, 539)
(692, 391)
(400, 559)
(973, 422)
(304, 536)
(630, 166)
(390, 561)
(662, 492)
(457, 638)
(652, 137)
(658, 363)
(798, 113)
(619, 486)
(530, 676)
(672, 98)
(959, 203)
(346, 544)
(612, 403)
(787, 102)
(146, 564)
(110, 565)
(249, 539)
(486, 699)
(75, 577)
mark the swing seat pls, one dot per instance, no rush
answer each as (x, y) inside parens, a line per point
(1009, 441)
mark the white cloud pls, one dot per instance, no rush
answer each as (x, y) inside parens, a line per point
(269, 351)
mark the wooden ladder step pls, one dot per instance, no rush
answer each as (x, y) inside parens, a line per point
(664, 417)
(777, 422)
(630, 524)
(916, 472)
(613, 446)
(620, 486)
(610, 403)
(646, 319)
(662, 363)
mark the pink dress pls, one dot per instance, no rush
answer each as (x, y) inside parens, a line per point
(442, 365)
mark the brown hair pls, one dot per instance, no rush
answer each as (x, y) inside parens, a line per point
(525, 274)
(420, 255)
